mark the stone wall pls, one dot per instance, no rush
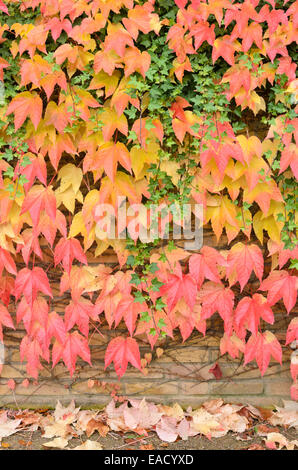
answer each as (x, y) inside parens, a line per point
(180, 374)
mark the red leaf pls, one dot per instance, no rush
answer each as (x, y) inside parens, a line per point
(121, 351)
(289, 157)
(250, 310)
(56, 26)
(202, 31)
(7, 262)
(74, 346)
(3, 7)
(23, 105)
(31, 349)
(179, 286)
(66, 250)
(37, 169)
(292, 333)
(217, 298)
(11, 384)
(242, 259)
(35, 315)
(30, 282)
(79, 313)
(216, 371)
(232, 345)
(56, 327)
(223, 47)
(5, 319)
(204, 265)
(39, 198)
(261, 347)
(31, 243)
(109, 155)
(117, 39)
(6, 288)
(128, 309)
(281, 285)
(135, 60)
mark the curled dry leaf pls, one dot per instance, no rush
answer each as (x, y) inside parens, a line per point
(175, 411)
(83, 419)
(5, 445)
(89, 445)
(255, 447)
(286, 416)
(253, 411)
(58, 443)
(275, 438)
(146, 447)
(58, 429)
(263, 430)
(230, 419)
(205, 423)
(96, 425)
(66, 414)
(8, 426)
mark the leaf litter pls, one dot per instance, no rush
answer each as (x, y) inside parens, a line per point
(140, 418)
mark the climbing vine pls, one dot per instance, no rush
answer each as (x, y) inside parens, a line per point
(163, 102)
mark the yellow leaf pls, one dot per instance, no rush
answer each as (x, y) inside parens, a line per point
(250, 146)
(222, 213)
(261, 223)
(68, 198)
(70, 175)
(140, 157)
(103, 80)
(257, 103)
(78, 226)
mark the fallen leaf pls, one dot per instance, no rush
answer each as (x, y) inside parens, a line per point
(66, 414)
(276, 438)
(263, 430)
(58, 443)
(166, 429)
(175, 410)
(5, 445)
(146, 447)
(97, 425)
(8, 426)
(89, 445)
(255, 447)
(25, 443)
(287, 416)
(59, 429)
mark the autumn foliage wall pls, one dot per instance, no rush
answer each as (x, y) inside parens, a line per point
(153, 101)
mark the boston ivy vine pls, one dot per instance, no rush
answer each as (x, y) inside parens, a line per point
(161, 102)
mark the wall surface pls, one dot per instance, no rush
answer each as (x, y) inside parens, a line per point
(180, 374)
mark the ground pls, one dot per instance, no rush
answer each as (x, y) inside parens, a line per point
(131, 441)
(143, 425)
